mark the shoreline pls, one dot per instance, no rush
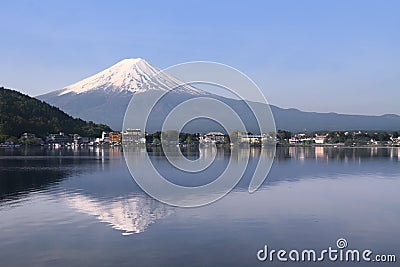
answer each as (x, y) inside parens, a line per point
(198, 145)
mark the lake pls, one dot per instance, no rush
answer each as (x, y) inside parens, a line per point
(66, 207)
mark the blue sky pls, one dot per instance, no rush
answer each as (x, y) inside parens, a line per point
(329, 56)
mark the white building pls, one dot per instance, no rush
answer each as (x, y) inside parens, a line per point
(320, 139)
(133, 136)
(213, 137)
(251, 138)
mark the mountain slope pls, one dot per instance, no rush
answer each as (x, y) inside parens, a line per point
(104, 97)
(94, 105)
(20, 113)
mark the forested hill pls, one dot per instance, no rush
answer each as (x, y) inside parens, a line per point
(21, 113)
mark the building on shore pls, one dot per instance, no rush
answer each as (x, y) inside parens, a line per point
(320, 139)
(105, 138)
(28, 136)
(133, 136)
(79, 140)
(301, 138)
(213, 137)
(59, 138)
(256, 139)
(395, 141)
(104, 135)
(294, 141)
(252, 139)
(115, 137)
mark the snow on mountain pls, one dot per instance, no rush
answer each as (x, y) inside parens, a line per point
(133, 75)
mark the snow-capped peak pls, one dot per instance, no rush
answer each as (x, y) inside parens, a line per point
(133, 75)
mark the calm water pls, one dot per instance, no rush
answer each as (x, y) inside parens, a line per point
(82, 208)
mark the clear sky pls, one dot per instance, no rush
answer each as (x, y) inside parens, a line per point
(330, 56)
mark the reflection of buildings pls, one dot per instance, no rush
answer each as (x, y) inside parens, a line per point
(297, 153)
(337, 153)
(302, 153)
(320, 152)
(238, 154)
(132, 214)
(373, 151)
(210, 151)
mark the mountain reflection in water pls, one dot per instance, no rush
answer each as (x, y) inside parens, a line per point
(130, 214)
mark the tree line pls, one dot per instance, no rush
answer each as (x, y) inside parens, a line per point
(21, 113)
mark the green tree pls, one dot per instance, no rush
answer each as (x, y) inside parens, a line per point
(20, 113)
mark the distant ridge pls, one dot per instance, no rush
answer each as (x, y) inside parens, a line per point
(20, 113)
(296, 120)
(103, 97)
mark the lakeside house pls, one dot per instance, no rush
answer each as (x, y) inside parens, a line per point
(304, 138)
(115, 138)
(79, 140)
(28, 136)
(59, 139)
(252, 139)
(395, 140)
(133, 136)
(320, 139)
(213, 137)
(300, 139)
(237, 137)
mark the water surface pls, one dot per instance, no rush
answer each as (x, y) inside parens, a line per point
(65, 207)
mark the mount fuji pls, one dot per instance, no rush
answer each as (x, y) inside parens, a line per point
(105, 96)
(130, 76)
